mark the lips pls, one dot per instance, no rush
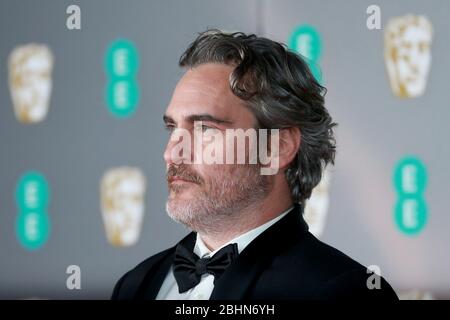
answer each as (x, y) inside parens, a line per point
(181, 174)
(178, 179)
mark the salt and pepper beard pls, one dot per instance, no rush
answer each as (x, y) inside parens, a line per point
(219, 200)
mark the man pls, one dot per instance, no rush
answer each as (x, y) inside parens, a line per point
(249, 239)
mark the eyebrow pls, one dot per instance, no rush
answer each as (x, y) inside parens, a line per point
(198, 117)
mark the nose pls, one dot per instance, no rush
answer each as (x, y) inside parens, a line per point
(178, 148)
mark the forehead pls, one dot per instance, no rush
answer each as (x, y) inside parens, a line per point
(416, 34)
(206, 89)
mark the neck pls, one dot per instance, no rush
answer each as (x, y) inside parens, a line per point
(247, 219)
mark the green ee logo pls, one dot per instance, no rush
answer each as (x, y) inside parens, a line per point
(410, 211)
(306, 41)
(32, 197)
(122, 91)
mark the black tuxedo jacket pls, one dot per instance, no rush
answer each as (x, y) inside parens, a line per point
(284, 262)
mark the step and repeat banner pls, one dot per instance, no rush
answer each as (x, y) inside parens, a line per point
(84, 85)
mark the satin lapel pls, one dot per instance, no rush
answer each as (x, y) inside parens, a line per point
(156, 276)
(158, 273)
(239, 277)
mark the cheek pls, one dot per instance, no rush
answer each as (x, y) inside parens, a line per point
(403, 68)
(243, 152)
(424, 62)
(215, 173)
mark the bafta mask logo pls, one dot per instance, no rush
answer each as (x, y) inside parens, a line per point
(30, 82)
(122, 202)
(317, 206)
(415, 295)
(407, 42)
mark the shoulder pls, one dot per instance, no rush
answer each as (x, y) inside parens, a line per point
(312, 269)
(128, 284)
(316, 258)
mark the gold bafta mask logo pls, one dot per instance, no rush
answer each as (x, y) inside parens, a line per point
(415, 295)
(407, 51)
(30, 82)
(316, 208)
(122, 202)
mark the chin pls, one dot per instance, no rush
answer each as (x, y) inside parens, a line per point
(178, 211)
(180, 196)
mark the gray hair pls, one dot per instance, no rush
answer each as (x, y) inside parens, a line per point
(281, 91)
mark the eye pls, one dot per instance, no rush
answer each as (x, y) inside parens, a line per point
(169, 127)
(205, 128)
(423, 47)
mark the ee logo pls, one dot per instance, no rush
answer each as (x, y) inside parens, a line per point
(306, 41)
(410, 211)
(32, 197)
(122, 91)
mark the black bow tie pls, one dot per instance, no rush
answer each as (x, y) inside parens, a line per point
(189, 268)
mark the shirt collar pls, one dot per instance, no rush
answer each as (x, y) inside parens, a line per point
(242, 241)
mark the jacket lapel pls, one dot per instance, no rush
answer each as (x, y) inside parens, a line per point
(237, 280)
(156, 276)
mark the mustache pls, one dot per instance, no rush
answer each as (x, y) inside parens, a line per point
(182, 171)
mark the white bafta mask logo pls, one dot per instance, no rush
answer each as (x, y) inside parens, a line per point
(316, 208)
(407, 51)
(30, 82)
(122, 201)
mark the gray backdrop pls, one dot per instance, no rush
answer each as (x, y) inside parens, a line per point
(80, 139)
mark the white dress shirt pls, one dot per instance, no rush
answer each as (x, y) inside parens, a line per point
(203, 290)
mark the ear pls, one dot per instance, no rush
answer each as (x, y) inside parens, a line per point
(289, 146)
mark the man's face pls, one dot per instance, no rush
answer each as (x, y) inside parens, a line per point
(201, 195)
